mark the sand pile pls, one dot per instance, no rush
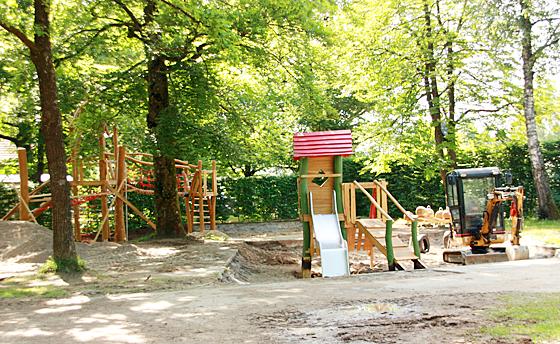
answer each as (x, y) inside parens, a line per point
(24, 242)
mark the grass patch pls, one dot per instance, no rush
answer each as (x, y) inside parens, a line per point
(547, 231)
(62, 265)
(13, 288)
(536, 316)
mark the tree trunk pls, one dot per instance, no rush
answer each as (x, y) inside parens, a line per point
(450, 136)
(168, 215)
(431, 88)
(40, 158)
(547, 209)
(51, 127)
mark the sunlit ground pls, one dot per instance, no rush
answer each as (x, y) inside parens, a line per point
(547, 231)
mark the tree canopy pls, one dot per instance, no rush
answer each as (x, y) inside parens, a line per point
(420, 82)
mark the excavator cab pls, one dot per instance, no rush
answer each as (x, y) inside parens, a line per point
(467, 196)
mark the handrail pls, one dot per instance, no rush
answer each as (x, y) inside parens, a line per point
(405, 212)
(413, 218)
(372, 200)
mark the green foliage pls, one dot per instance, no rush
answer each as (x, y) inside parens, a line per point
(536, 316)
(257, 198)
(407, 183)
(53, 265)
(514, 157)
(8, 198)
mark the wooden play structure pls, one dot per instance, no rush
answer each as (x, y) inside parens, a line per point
(320, 176)
(379, 231)
(120, 173)
(321, 191)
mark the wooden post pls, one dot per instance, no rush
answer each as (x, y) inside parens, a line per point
(200, 199)
(23, 184)
(389, 244)
(384, 204)
(119, 204)
(214, 196)
(189, 200)
(103, 179)
(338, 191)
(415, 244)
(377, 197)
(304, 206)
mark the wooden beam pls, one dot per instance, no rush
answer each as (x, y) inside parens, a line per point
(107, 215)
(16, 207)
(27, 210)
(120, 234)
(133, 207)
(372, 200)
(394, 200)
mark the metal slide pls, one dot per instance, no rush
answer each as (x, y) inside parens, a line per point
(333, 247)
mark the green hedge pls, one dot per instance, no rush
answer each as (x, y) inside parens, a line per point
(8, 198)
(257, 198)
(264, 198)
(267, 198)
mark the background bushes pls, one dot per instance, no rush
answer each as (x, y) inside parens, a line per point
(265, 198)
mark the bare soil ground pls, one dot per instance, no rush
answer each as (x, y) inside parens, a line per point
(242, 287)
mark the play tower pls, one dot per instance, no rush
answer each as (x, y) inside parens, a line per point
(320, 198)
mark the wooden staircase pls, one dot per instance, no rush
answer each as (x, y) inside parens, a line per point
(374, 231)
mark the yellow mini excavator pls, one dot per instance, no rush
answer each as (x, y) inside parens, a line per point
(477, 233)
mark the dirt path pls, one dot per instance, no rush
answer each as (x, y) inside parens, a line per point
(417, 307)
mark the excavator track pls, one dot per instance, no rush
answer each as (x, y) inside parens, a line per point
(466, 257)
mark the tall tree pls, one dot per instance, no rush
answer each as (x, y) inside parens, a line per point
(40, 51)
(527, 21)
(195, 41)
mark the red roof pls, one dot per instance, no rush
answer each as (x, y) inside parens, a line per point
(323, 143)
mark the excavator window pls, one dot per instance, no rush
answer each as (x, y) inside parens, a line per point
(475, 193)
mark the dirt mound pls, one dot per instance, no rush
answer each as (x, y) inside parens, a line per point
(24, 242)
(264, 261)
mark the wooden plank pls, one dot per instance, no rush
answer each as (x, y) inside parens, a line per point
(353, 202)
(212, 197)
(321, 175)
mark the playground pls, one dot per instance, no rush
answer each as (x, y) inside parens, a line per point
(333, 275)
(246, 289)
